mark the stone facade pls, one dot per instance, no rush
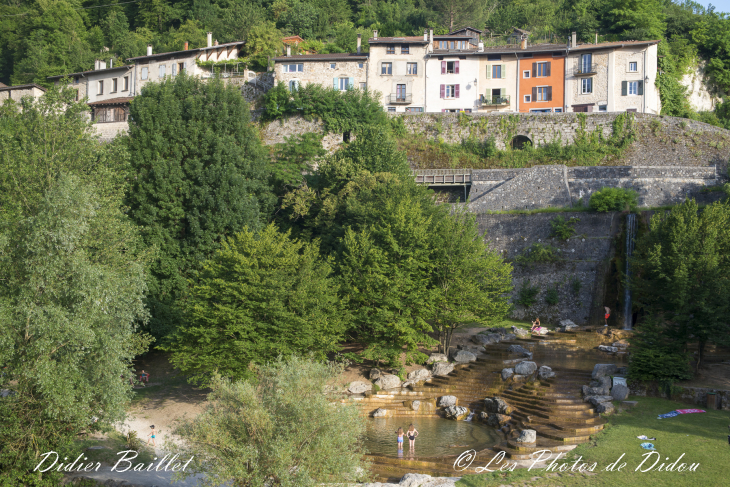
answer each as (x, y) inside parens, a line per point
(107, 131)
(17, 92)
(278, 131)
(393, 98)
(317, 69)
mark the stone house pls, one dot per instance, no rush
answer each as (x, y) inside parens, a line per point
(19, 91)
(338, 70)
(612, 77)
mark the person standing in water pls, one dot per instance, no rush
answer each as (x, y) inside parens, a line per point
(412, 434)
(400, 438)
(152, 436)
(607, 315)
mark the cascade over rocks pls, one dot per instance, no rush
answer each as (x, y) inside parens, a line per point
(442, 368)
(456, 412)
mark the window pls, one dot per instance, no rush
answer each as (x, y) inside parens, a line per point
(114, 85)
(180, 67)
(363, 86)
(386, 68)
(527, 54)
(162, 70)
(602, 108)
(333, 65)
(526, 74)
(125, 83)
(631, 110)
(390, 49)
(412, 68)
(449, 67)
(294, 85)
(174, 69)
(343, 84)
(543, 69)
(100, 91)
(294, 68)
(558, 110)
(633, 88)
(497, 71)
(542, 93)
(144, 73)
(494, 57)
(633, 67)
(405, 49)
(528, 98)
(360, 65)
(400, 93)
(586, 85)
(391, 109)
(449, 91)
(76, 80)
(76, 97)
(414, 109)
(443, 45)
(585, 63)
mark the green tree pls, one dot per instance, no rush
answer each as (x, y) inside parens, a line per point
(296, 155)
(636, 19)
(459, 13)
(72, 296)
(200, 174)
(472, 281)
(279, 430)
(681, 274)
(259, 297)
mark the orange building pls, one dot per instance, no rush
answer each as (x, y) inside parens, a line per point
(541, 81)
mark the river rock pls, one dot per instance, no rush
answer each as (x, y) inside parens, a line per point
(520, 332)
(456, 412)
(375, 374)
(418, 375)
(525, 368)
(497, 420)
(545, 372)
(446, 401)
(388, 381)
(475, 349)
(416, 405)
(596, 400)
(519, 378)
(463, 356)
(619, 392)
(509, 337)
(380, 413)
(507, 373)
(527, 436)
(601, 370)
(497, 405)
(359, 387)
(606, 348)
(437, 357)
(414, 480)
(567, 325)
(519, 350)
(606, 408)
(621, 344)
(442, 368)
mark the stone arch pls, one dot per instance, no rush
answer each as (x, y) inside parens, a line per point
(519, 141)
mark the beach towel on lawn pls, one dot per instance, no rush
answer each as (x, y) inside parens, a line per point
(689, 411)
(668, 415)
(647, 446)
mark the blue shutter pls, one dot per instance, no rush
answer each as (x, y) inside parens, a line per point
(335, 85)
(351, 83)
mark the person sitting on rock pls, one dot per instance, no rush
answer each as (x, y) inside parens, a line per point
(537, 328)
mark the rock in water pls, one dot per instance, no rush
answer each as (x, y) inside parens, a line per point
(527, 436)
(517, 349)
(446, 401)
(463, 356)
(359, 387)
(420, 374)
(525, 368)
(619, 392)
(606, 348)
(380, 413)
(545, 372)
(507, 373)
(497, 405)
(601, 370)
(567, 325)
(388, 381)
(437, 357)
(456, 412)
(442, 368)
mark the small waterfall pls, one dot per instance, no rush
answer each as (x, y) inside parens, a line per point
(471, 415)
(630, 237)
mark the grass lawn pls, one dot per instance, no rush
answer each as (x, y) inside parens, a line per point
(506, 323)
(114, 443)
(702, 437)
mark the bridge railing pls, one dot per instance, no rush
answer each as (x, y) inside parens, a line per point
(443, 177)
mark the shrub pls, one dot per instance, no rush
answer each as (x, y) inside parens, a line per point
(551, 296)
(527, 295)
(537, 253)
(562, 228)
(655, 364)
(614, 199)
(575, 285)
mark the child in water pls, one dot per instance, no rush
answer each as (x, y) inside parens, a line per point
(412, 434)
(400, 438)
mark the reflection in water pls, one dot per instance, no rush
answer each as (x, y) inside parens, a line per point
(436, 437)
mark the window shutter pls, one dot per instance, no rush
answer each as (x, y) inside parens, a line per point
(547, 68)
(534, 92)
(185, 66)
(624, 88)
(443, 69)
(489, 71)
(174, 69)
(351, 83)
(534, 69)
(504, 71)
(640, 87)
(456, 68)
(502, 92)
(456, 91)
(550, 91)
(335, 84)
(443, 91)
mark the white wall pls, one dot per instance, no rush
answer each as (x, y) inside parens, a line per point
(508, 83)
(467, 79)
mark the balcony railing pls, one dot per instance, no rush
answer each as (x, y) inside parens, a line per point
(495, 101)
(585, 69)
(399, 98)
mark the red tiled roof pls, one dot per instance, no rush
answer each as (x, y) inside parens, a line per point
(292, 40)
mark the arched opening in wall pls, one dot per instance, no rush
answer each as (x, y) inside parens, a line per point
(346, 136)
(519, 142)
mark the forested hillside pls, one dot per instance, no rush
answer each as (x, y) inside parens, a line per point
(39, 38)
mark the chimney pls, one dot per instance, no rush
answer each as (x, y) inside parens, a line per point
(359, 43)
(375, 34)
(480, 46)
(430, 40)
(111, 63)
(186, 46)
(523, 43)
(425, 35)
(216, 42)
(149, 49)
(288, 50)
(210, 39)
(596, 37)
(573, 41)
(96, 64)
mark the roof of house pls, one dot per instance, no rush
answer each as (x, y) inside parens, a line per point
(2, 85)
(83, 73)
(189, 51)
(335, 56)
(21, 87)
(112, 101)
(603, 45)
(515, 30)
(510, 49)
(292, 40)
(463, 29)
(397, 40)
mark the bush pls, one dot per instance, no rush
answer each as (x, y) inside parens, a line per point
(575, 285)
(562, 228)
(649, 364)
(614, 199)
(527, 295)
(551, 296)
(537, 253)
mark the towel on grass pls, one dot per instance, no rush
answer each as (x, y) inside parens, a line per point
(668, 415)
(647, 446)
(689, 411)
(644, 437)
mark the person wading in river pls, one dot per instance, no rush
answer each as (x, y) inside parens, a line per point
(412, 434)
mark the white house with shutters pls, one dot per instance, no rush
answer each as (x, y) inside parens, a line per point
(452, 81)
